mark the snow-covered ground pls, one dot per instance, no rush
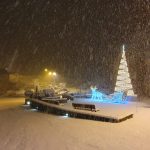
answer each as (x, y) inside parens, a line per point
(23, 129)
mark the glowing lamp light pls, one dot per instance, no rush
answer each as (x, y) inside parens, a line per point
(50, 73)
(66, 116)
(28, 102)
(54, 73)
(45, 69)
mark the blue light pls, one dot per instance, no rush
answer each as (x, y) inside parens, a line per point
(117, 97)
(96, 95)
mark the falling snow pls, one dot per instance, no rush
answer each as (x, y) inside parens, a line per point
(79, 39)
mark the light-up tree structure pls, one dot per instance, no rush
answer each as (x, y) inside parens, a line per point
(123, 85)
(123, 79)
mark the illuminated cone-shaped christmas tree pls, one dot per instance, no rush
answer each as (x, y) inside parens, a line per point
(123, 79)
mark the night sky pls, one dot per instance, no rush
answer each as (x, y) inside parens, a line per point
(80, 39)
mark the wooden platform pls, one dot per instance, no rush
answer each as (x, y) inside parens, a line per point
(107, 112)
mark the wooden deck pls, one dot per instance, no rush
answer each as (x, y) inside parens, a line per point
(107, 112)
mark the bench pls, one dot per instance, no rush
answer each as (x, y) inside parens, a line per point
(90, 107)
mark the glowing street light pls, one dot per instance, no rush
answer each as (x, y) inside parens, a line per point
(45, 69)
(50, 73)
(54, 73)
